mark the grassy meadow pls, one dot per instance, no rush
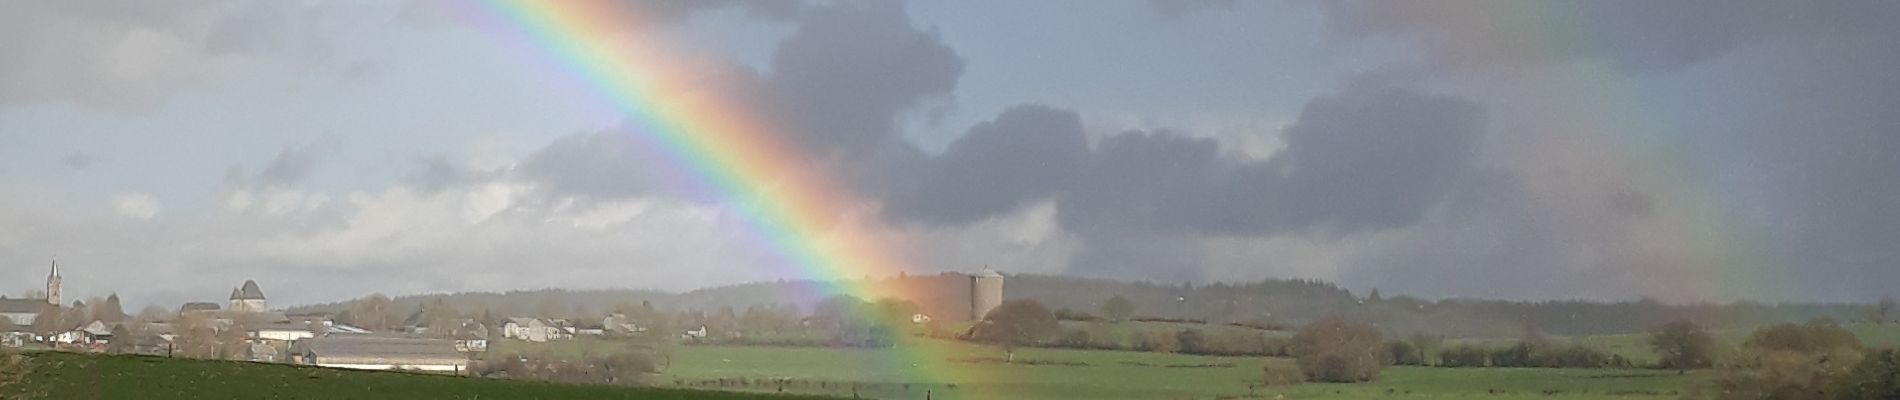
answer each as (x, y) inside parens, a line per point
(72, 376)
(1094, 374)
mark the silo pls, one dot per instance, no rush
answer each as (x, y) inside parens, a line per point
(986, 292)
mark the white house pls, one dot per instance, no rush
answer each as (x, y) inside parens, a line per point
(529, 329)
(283, 331)
(381, 353)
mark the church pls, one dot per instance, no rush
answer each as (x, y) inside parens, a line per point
(23, 312)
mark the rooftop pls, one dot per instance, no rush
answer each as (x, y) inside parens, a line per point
(248, 292)
(373, 347)
(21, 306)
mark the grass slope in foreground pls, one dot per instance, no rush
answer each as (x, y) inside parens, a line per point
(57, 375)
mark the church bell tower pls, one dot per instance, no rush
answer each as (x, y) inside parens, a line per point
(52, 284)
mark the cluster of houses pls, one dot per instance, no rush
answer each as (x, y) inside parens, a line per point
(275, 336)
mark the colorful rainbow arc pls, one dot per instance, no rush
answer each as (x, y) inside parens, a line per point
(789, 201)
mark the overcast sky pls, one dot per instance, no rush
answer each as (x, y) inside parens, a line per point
(1687, 150)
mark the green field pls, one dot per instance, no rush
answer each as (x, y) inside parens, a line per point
(957, 370)
(56, 375)
(1088, 374)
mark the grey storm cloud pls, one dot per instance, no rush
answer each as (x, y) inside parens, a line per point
(1375, 157)
(1027, 153)
(652, 12)
(843, 78)
(837, 86)
(1792, 131)
(1367, 158)
(1633, 35)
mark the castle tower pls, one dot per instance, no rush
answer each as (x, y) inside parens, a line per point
(986, 293)
(248, 298)
(52, 284)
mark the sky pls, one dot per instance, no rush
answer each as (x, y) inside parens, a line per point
(1685, 151)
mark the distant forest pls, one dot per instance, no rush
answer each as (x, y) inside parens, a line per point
(1265, 303)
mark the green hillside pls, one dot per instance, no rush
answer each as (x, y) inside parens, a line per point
(55, 375)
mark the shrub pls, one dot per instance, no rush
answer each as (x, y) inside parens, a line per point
(1462, 356)
(1159, 342)
(1399, 352)
(1815, 336)
(1066, 314)
(1876, 377)
(1337, 350)
(1192, 341)
(1682, 345)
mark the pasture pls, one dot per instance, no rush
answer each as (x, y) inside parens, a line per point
(972, 371)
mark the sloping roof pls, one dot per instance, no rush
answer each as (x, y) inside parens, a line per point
(199, 306)
(21, 306)
(521, 321)
(249, 292)
(282, 326)
(371, 349)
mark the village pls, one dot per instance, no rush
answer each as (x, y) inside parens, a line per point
(428, 339)
(246, 328)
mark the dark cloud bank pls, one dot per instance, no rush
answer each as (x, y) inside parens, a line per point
(1386, 163)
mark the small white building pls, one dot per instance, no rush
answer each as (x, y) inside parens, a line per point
(530, 329)
(283, 331)
(382, 353)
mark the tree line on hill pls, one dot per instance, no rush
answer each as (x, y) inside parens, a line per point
(1268, 303)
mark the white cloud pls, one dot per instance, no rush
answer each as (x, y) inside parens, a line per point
(138, 206)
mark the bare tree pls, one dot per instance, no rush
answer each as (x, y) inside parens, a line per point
(376, 312)
(152, 313)
(197, 338)
(1337, 350)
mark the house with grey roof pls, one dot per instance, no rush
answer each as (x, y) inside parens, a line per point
(22, 312)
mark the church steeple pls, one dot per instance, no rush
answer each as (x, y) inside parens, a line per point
(52, 283)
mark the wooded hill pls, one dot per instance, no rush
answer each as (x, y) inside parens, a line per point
(1268, 303)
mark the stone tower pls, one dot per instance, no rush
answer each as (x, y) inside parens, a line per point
(986, 292)
(248, 298)
(52, 284)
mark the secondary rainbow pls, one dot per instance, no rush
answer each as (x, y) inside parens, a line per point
(783, 195)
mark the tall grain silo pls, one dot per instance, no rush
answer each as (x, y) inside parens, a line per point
(986, 292)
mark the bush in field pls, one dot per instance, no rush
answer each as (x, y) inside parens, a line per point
(1515, 356)
(1400, 352)
(1815, 336)
(1816, 360)
(1159, 342)
(1337, 350)
(1193, 342)
(1073, 338)
(1462, 356)
(1066, 314)
(1682, 345)
(1876, 377)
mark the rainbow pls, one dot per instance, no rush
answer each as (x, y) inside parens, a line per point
(783, 195)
